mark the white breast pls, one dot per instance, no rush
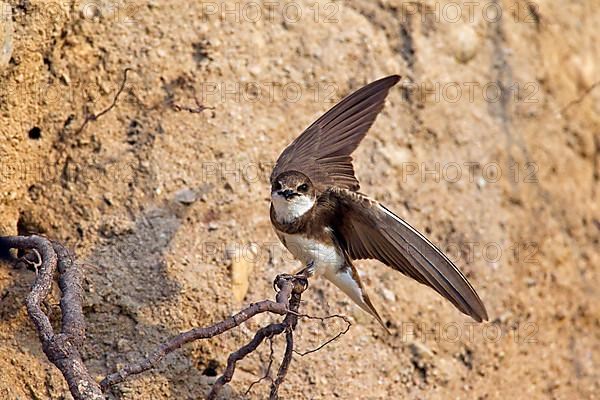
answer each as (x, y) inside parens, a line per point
(287, 211)
(325, 256)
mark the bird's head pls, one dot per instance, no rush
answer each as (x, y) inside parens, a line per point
(292, 195)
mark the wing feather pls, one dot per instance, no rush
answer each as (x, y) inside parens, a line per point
(322, 151)
(371, 231)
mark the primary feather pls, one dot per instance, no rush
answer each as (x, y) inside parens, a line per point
(322, 151)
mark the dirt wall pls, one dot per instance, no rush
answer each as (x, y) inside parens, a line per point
(490, 145)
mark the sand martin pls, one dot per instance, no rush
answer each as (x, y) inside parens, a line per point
(322, 219)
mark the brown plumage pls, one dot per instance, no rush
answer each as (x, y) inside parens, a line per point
(322, 219)
(370, 230)
(322, 151)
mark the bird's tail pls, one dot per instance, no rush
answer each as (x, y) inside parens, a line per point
(348, 281)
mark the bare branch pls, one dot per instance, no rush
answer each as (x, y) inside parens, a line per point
(261, 334)
(283, 282)
(285, 364)
(35, 264)
(195, 334)
(63, 349)
(194, 110)
(186, 82)
(287, 302)
(268, 371)
(341, 333)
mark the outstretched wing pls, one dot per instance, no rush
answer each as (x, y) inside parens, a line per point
(369, 230)
(322, 151)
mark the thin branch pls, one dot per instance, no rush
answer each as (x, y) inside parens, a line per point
(268, 370)
(194, 110)
(35, 264)
(261, 334)
(63, 349)
(285, 364)
(195, 334)
(580, 98)
(185, 82)
(290, 288)
(94, 117)
(341, 333)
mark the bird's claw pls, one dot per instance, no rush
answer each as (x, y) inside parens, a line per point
(307, 271)
(301, 278)
(278, 279)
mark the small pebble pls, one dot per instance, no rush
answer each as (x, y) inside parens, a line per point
(466, 43)
(185, 196)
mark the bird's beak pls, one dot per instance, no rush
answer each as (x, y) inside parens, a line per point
(287, 193)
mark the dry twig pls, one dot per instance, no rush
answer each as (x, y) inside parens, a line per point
(63, 349)
(336, 337)
(193, 110)
(95, 117)
(580, 98)
(267, 371)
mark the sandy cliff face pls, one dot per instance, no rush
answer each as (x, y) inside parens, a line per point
(490, 145)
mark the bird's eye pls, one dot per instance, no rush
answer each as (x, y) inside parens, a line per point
(303, 187)
(276, 186)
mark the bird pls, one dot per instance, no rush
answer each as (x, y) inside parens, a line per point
(321, 217)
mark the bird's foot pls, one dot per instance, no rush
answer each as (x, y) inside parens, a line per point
(308, 271)
(277, 282)
(300, 276)
(301, 279)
